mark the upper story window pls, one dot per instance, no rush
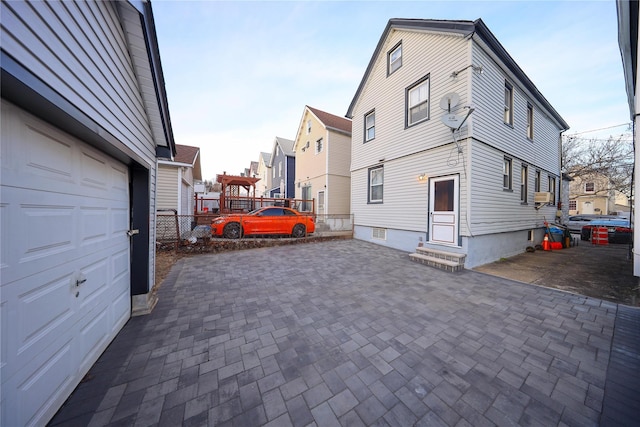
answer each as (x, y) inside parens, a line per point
(280, 169)
(524, 183)
(308, 127)
(417, 99)
(537, 182)
(508, 104)
(376, 184)
(507, 169)
(529, 121)
(589, 187)
(394, 59)
(319, 146)
(370, 126)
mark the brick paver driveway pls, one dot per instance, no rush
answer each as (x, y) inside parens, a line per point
(349, 333)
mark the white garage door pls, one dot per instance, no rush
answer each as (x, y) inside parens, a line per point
(64, 211)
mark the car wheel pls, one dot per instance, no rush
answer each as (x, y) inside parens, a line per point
(299, 230)
(232, 231)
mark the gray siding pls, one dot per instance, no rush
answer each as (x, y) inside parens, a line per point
(487, 122)
(436, 55)
(80, 50)
(496, 210)
(167, 197)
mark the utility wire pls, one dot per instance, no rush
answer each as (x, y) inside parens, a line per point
(628, 124)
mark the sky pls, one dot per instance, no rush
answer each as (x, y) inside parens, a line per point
(239, 73)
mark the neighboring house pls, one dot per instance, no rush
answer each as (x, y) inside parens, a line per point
(323, 158)
(176, 180)
(253, 170)
(450, 142)
(264, 173)
(84, 117)
(628, 17)
(590, 194)
(283, 169)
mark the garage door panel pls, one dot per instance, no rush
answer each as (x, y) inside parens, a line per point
(44, 229)
(92, 292)
(120, 222)
(48, 156)
(65, 290)
(120, 267)
(95, 172)
(95, 224)
(40, 312)
(41, 393)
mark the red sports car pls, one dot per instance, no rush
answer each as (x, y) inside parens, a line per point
(263, 221)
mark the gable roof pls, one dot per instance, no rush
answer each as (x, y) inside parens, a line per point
(186, 154)
(286, 145)
(266, 158)
(469, 29)
(331, 121)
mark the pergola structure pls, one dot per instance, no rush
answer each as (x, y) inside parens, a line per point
(230, 199)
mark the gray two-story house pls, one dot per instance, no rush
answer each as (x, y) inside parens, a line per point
(453, 146)
(283, 169)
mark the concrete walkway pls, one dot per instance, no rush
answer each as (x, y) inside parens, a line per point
(351, 333)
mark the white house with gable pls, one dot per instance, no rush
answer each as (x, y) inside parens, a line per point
(451, 141)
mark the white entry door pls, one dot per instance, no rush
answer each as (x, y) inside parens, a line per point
(587, 208)
(65, 290)
(443, 210)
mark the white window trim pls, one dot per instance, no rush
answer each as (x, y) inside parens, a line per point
(530, 121)
(394, 65)
(507, 173)
(370, 192)
(508, 104)
(366, 128)
(425, 81)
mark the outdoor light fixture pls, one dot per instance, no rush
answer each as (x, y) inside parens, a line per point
(422, 176)
(477, 68)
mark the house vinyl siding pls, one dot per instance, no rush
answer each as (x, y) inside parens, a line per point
(405, 198)
(167, 188)
(436, 55)
(80, 50)
(487, 121)
(496, 210)
(337, 196)
(339, 151)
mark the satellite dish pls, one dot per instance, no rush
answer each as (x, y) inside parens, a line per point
(454, 121)
(449, 101)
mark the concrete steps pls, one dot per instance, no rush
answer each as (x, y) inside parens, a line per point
(448, 261)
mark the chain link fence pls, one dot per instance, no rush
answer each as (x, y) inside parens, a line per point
(174, 230)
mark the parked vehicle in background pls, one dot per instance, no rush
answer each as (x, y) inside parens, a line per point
(264, 221)
(618, 230)
(576, 222)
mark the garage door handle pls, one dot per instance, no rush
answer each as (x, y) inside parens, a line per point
(80, 281)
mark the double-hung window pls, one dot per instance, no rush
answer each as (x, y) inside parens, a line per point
(394, 59)
(376, 184)
(524, 183)
(507, 168)
(552, 189)
(508, 104)
(417, 99)
(319, 146)
(370, 126)
(529, 121)
(589, 187)
(536, 184)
